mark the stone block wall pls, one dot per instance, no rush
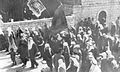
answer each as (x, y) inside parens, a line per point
(33, 23)
(92, 8)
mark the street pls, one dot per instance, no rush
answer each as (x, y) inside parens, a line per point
(5, 65)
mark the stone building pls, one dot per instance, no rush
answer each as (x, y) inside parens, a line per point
(98, 9)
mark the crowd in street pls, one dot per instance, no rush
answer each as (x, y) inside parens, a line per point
(81, 48)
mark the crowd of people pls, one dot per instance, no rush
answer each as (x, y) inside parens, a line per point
(81, 48)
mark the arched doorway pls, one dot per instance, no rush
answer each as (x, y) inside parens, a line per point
(102, 17)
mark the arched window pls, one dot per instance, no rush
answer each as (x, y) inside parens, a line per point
(102, 17)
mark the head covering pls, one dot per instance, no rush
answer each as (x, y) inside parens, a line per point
(76, 46)
(113, 23)
(1, 17)
(35, 32)
(65, 44)
(39, 27)
(30, 42)
(90, 55)
(97, 22)
(60, 61)
(26, 29)
(30, 38)
(101, 26)
(47, 45)
(89, 32)
(80, 29)
(76, 49)
(78, 35)
(9, 29)
(59, 37)
(1, 32)
(73, 43)
(33, 29)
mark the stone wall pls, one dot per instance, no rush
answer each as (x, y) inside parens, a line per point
(92, 8)
(89, 8)
(33, 23)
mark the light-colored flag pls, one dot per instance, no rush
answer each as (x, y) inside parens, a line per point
(36, 6)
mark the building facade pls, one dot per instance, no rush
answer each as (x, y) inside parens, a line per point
(98, 9)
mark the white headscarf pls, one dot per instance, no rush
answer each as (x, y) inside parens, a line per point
(30, 43)
(1, 32)
(9, 29)
(61, 65)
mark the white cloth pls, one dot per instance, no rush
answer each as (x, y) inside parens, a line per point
(94, 67)
(13, 45)
(30, 43)
(1, 32)
(9, 31)
(62, 66)
(1, 22)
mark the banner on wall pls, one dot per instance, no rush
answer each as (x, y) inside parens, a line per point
(36, 6)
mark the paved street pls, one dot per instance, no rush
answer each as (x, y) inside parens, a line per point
(5, 65)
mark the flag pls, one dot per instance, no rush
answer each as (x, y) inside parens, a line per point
(42, 8)
(36, 6)
(59, 22)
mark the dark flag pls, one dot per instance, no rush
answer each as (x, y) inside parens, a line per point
(59, 22)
